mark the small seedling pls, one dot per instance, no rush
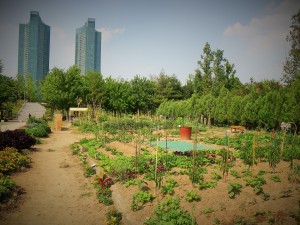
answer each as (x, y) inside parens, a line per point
(191, 196)
(233, 189)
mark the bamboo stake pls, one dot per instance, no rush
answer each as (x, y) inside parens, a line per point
(253, 152)
(194, 158)
(136, 159)
(156, 158)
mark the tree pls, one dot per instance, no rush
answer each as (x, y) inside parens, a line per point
(292, 65)
(21, 86)
(142, 94)
(222, 106)
(9, 91)
(203, 76)
(94, 88)
(118, 96)
(166, 88)
(214, 72)
(60, 89)
(1, 66)
(188, 88)
(250, 111)
(208, 103)
(236, 110)
(29, 88)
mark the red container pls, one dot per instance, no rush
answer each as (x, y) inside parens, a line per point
(185, 133)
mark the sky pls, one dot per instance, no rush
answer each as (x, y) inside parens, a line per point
(145, 37)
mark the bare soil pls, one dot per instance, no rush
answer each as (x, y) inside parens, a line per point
(56, 192)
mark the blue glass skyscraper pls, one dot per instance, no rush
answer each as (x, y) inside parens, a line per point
(88, 47)
(34, 48)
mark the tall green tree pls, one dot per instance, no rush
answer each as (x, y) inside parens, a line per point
(235, 111)
(1, 66)
(292, 65)
(21, 86)
(166, 88)
(94, 89)
(60, 89)
(142, 94)
(203, 79)
(118, 98)
(223, 101)
(9, 90)
(30, 88)
(214, 72)
(188, 88)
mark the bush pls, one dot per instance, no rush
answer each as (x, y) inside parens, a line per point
(16, 139)
(37, 127)
(11, 160)
(37, 131)
(6, 187)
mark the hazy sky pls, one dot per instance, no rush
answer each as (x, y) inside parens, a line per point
(144, 37)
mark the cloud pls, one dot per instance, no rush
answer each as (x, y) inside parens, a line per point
(108, 33)
(263, 40)
(272, 26)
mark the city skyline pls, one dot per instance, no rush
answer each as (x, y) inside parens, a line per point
(88, 47)
(146, 37)
(34, 48)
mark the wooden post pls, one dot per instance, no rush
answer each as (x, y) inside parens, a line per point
(156, 159)
(136, 159)
(253, 152)
(194, 158)
(282, 144)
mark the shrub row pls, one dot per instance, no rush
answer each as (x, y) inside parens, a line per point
(37, 127)
(16, 139)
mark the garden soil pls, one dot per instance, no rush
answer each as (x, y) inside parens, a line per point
(56, 192)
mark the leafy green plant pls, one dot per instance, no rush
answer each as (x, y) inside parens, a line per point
(139, 199)
(207, 211)
(246, 172)
(113, 217)
(89, 171)
(37, 131)
(169, 187)
(205, 185)
(235, 174)
(216, 176)
(234, 189)
(75, 149)
(103, 190)
(256, 182)
(191, 196)
(275, 178)
(169, 212)
(274, 153)
(134, 182)
(6, 187)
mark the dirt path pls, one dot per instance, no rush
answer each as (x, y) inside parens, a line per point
(56, 191)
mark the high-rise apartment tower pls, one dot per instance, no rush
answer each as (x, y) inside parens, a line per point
(34, 48)
(88, 47)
